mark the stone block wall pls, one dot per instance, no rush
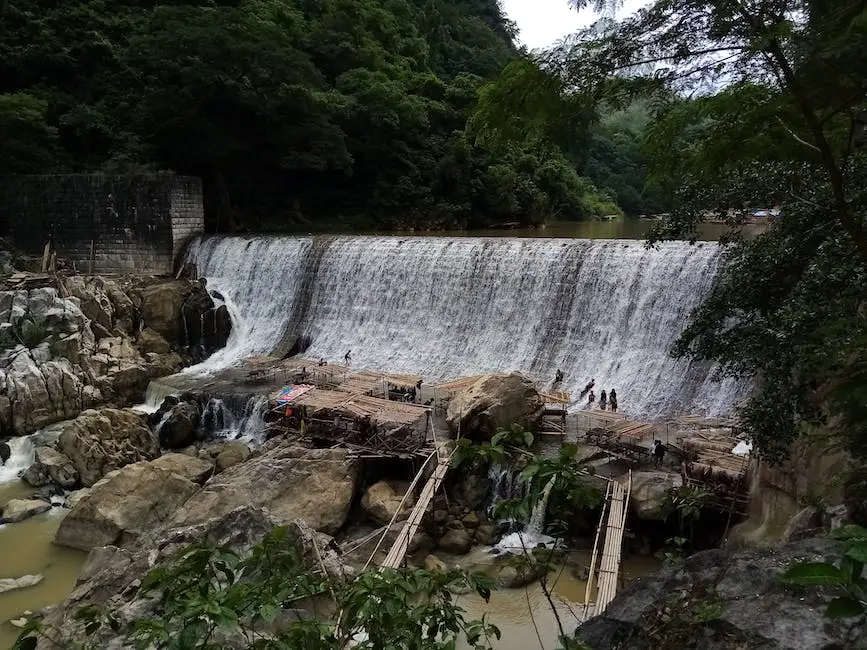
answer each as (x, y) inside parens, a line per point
(133, 223)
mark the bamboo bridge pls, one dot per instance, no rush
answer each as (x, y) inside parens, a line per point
(615, 507)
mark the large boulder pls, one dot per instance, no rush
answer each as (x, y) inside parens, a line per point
(36, 391)
(180, 425)
(495, 401)
(93, 299)
(651, 493)
(124, 505)
(176, 310)
(229, 454)
(99, 441)
(150, 340)
(51, 467)
(316, 485)
(161, 306)
(382, 500)
(471, 486)
(725, 600)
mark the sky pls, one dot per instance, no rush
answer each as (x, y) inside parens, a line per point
(543, 22)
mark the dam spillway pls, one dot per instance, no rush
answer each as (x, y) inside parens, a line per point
(444, 307)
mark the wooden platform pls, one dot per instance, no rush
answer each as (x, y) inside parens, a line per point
(556, 406)
(709, 465)
(622, 438)
(366, 382)
(361, 422)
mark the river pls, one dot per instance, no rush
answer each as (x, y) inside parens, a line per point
(26, 548)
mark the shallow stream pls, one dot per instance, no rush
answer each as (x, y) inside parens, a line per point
(26, 548)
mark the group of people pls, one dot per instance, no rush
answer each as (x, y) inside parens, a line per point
(606, 400)
(405, 394)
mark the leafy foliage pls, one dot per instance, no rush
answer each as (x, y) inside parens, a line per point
(505, 444)
(756, 104)
(848, 577)
(208, 595)
(296, 114)
(569, 493)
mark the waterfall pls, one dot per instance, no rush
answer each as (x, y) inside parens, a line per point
(533, 534)
(22, 457)
(505, 484)
(445, 307)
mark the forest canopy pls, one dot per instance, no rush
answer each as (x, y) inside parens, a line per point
(305, 114)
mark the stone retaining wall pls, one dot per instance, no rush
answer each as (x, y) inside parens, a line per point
(129, 223)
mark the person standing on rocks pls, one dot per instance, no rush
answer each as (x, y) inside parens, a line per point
(612, 400)
(591, 398)
(347, 357)
(603, 400)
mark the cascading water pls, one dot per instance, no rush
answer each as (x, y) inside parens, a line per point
(22, 457)
(219, 420)
(533, 534)
(505, 484)
(447, 307)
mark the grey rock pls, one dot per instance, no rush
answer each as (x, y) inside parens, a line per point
(99, 441)
(124, 505)
(11, 584)
(315, 485)
(752, 608)
(20, 509)
(194, 469)
(495, 401)
(178, 430)
(51, 467)
(111, 576)
(457, 541)
(487, 534)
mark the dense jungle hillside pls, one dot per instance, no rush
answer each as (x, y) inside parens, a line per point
(302, 114)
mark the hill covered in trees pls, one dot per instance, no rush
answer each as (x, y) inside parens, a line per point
(295, 113)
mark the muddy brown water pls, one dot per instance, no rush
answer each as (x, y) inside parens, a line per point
(524, 616)
(26, 548)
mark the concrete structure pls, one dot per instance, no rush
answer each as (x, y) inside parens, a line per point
(128, 223)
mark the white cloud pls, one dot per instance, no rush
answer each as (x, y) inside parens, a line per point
(543, 22)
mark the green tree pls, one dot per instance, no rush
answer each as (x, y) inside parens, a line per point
(775, 116)
(207, 596)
